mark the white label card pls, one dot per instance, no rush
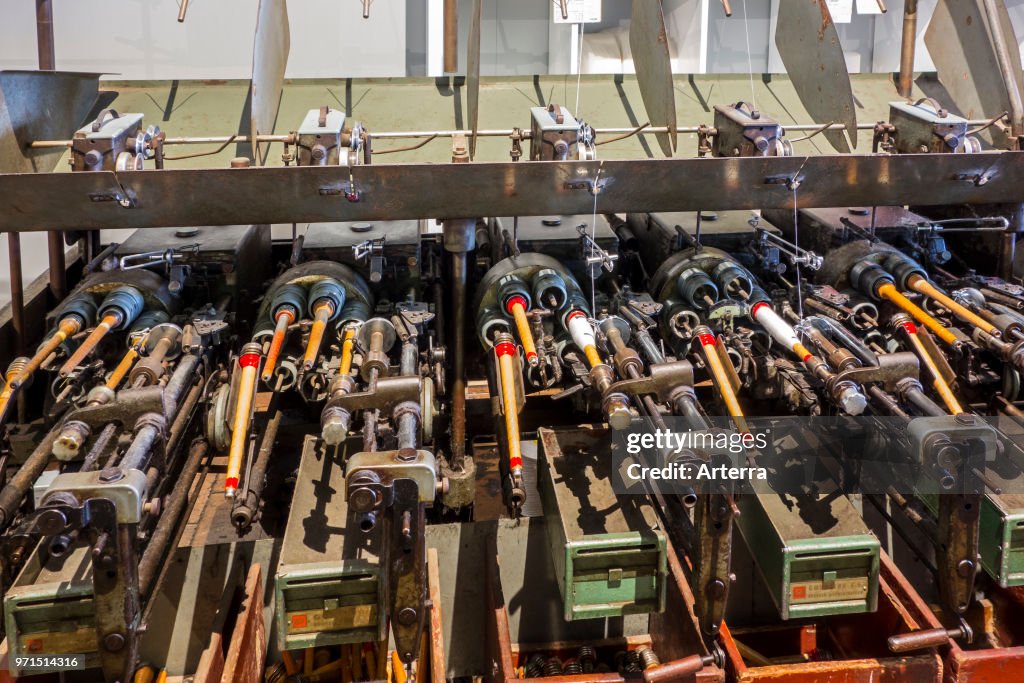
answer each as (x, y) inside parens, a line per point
(578, 11)
(841, 10)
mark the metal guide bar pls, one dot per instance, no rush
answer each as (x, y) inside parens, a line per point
(168, 198)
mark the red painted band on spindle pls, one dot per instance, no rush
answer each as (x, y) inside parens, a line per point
(249, 360)
(517, 299)
(505, 349)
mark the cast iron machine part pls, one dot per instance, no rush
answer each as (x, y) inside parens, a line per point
(107, 506)
(326, 294)
(709, 546)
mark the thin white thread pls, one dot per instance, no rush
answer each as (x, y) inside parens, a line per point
(579, 71)
(750, 59)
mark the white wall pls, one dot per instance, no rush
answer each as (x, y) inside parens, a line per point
(142, 39)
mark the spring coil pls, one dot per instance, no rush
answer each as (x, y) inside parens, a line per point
(631, 663)
(572, 667)
(648, 658)
(587, 656)
(534, 667)
(553, 667)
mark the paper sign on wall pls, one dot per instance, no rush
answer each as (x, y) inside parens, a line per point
(578, 11)
(868, 7)
(841, 10)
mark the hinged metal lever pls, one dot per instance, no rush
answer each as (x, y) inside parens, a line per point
(368, 248)
(152, 258)
(987, 223)
(796, 256)
(594, 254)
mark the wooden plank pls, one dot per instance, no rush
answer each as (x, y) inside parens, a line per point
(248, 647)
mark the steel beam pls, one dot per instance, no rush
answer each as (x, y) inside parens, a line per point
(70, 201)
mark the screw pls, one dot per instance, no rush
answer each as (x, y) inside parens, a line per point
(407, 616)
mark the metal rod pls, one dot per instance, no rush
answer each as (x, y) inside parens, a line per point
(12, 494)
(459, 303)
(400, 135)
(48, 62)
(1006, 67)
(908, 48)
(245, 507)
(153, 555)
(182, 9)
(44, 35)
(17, 291)
(451, 36)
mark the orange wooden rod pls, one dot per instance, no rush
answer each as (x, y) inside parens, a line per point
(110, 320)
(517, 307)
(889, 292)
(285, 317)
(323, 311)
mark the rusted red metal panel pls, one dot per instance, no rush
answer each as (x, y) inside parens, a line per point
(248, 647)
(211, 662)
(994, 665)
(437, 669)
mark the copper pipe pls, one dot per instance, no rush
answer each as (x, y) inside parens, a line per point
(451, 36)
(58, 266)
(110, 320)
(889, 292)
(323, 311)
(182, 9)
(908, 48)
(44, 35)
(285, 317)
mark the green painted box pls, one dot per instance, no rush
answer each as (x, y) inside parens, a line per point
(608, 554)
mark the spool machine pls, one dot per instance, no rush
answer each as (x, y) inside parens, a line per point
(425, 394)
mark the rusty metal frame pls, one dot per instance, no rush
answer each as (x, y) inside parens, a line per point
(171, 198)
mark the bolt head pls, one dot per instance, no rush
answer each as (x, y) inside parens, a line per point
(51, 522)
(407, 616)
(852, 401)
(113, 642)
(335, 429)
(363, 499)
(111, 474)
